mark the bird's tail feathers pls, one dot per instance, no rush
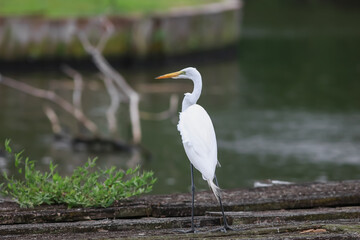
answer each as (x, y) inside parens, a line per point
(215, 189)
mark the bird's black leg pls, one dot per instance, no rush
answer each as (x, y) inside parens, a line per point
(192, 230)
(226, 225)
(193, 198)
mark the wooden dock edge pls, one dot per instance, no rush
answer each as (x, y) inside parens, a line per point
(299, 211)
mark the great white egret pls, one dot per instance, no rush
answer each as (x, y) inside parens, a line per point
(198, 137)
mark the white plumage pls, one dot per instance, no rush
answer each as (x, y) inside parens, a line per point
(198, 137)
(199, 140)
(197, 133)
(196, 129)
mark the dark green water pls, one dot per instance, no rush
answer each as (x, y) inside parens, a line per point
(287, 108)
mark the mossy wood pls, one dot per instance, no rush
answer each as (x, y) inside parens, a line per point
(299, 211)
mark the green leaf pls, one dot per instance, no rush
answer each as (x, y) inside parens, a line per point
(86, 187)
(7, 145)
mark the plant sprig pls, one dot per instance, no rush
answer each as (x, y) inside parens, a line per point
(86, 187)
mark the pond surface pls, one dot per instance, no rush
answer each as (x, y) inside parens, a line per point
(287, 108)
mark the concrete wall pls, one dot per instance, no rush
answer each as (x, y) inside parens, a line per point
(178, 31)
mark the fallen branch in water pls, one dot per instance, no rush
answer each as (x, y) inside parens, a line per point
(114, 105)
(105, 68)
(78, 87)
(54, 120)
(116, 85)
(53, 97)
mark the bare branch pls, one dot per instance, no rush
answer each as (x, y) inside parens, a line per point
(135, 118)
(53, 97)
(85, 42)
(133, 96)
(173, 106)
(78, 85)
(114, 105)
(53, 118)
(104, 66)
(109, 30)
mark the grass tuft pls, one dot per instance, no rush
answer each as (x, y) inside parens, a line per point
(86, 187)
(83, 8)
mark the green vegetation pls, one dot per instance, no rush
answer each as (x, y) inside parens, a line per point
(86, 187)
(77, 8)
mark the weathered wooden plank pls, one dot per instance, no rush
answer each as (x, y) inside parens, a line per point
(283, 216)
(107, 225)
(346, 193)
(168, 228)
(309, 195)
(79, 214)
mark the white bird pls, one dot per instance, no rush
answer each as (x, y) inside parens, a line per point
(198, 137)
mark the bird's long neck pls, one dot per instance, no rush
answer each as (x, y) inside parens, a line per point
(191, 98)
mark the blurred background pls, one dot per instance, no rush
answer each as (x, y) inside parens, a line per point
(280, 82)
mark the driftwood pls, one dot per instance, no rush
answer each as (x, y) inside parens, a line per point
(299, 211)
(111, 74)
(78, 89)
(54, 120)
(53, 97)
(117, 87)
(78, 85)
(114, 105)
(101, 144)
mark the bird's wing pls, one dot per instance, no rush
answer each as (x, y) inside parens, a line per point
(198, 136)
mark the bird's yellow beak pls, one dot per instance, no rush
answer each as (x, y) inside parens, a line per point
(169, 75)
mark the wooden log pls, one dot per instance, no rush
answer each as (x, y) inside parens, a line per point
(169, 228)
(108, 225)
(299, 196)
(101, 144)
(308, 195)
(59, 214)
(283, 216)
